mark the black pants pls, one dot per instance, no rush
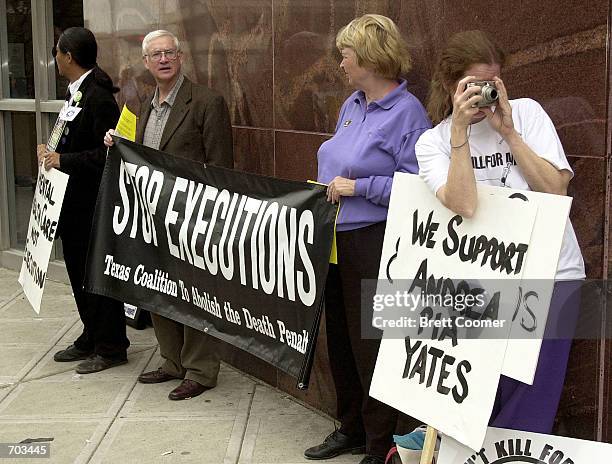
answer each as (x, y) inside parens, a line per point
(103, 318)
(352, 358)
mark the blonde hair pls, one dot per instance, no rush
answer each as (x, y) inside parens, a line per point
(151, 36)
(378, 44)
(463, 50)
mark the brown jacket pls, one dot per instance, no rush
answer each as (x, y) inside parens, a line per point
(198, 128)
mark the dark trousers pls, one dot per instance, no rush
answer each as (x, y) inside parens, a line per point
(103, 318)
(352, 358)
(533, 408)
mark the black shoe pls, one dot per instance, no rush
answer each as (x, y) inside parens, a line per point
(97, 363)
(335, 444)
(372, 460)
(72, 353)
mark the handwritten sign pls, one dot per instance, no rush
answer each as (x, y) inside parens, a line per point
(550, 227)
(445, 367)
(44, 216)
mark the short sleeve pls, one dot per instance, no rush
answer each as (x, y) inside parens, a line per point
(433, 157)
(539, 133)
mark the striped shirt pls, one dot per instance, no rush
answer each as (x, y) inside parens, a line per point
(159, 115)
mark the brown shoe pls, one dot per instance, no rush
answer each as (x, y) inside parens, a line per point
(157, 376)
(187, 389)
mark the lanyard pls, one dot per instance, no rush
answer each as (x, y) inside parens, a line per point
(58, 128)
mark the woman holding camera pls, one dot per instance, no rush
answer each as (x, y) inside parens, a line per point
(460, 151)
(375, 136)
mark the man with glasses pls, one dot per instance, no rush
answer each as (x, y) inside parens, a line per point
(192, 121)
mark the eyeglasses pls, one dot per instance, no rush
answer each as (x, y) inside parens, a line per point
(170, 55)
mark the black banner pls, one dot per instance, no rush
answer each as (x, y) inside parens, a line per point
(241, 257)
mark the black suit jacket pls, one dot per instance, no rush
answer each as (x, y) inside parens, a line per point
(82, 150)
(198, 127)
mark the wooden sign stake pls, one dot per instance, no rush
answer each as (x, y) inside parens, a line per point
(429, 446)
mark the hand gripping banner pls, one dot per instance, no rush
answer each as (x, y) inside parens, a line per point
(241, 257)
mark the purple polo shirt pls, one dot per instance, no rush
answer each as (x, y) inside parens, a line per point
(371, 143)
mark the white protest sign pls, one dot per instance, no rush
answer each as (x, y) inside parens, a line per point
(441, 373)
(44, 216)
(512, 446)
(538, 279)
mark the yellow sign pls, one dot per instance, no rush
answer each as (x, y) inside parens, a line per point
(333, 258)
(126, 126)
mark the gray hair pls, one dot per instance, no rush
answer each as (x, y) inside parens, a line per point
(155, 35)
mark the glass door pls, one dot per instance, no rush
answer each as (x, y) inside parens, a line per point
(29, 89)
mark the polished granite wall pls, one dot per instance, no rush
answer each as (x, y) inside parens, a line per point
(276, 64)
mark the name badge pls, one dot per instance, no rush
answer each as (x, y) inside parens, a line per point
(68, 113)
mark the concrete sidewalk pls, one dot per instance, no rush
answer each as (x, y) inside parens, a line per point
(110, 418)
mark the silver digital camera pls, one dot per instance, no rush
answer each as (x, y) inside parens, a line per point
(488, 91)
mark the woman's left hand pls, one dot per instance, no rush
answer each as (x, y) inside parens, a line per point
(501, 118)
(51, 159)
(340, 187)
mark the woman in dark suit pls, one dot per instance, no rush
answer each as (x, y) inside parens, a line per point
(76, 148)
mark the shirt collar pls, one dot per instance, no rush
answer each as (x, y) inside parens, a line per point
(389, 100)
(73, 87)
(171, 96)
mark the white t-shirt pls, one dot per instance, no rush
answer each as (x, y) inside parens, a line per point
(494, 165)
